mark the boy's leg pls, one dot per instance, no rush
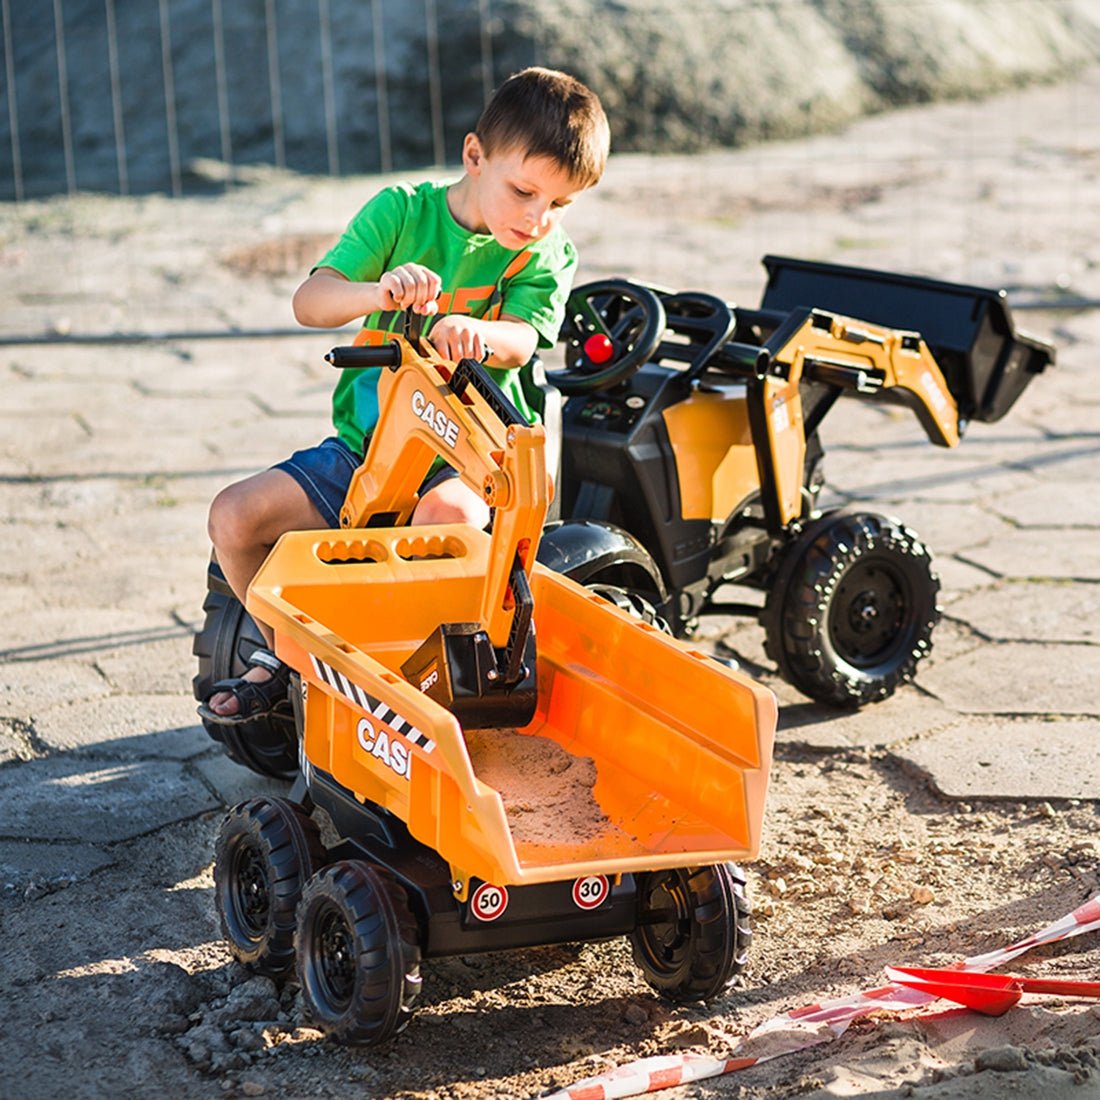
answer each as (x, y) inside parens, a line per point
(246, 520)
(448, 499)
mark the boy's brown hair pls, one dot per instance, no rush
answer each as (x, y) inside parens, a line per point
(548, 114)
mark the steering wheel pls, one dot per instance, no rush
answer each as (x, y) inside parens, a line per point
(611, 328)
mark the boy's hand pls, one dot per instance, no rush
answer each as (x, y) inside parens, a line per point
(410, 286)
(458, 337)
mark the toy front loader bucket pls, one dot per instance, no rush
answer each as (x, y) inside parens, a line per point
(643, 753)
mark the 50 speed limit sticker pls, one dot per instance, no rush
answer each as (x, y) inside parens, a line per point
(488, 901)
(589, 892)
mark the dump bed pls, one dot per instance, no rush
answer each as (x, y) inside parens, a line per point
(986, 362)
(643, 752)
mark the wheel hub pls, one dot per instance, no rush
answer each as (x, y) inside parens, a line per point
(870, 605)
(337, 959)
(251, 897)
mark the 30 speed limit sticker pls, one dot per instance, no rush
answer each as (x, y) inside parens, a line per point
(589, 892)
(488, 901)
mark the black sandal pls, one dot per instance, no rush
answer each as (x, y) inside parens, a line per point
(254, 700)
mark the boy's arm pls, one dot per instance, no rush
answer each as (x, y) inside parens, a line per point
(328, 299)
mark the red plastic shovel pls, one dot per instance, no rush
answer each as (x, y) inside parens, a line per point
(991, 994)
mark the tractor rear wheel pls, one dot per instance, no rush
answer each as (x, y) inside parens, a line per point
(268, 745)
(851, 609)
(693, 930)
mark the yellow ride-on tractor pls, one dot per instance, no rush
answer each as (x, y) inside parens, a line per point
(506, 757)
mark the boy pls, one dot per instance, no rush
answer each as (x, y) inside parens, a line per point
(485, 260)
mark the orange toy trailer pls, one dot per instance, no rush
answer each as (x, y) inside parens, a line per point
(508, 758)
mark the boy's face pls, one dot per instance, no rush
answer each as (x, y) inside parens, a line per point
(518, 199)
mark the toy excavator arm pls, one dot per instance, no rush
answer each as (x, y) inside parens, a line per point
(429, 408)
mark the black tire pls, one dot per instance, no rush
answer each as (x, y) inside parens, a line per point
(267, 850)
(852, 608)
(693, 932)
(358, 953)
(267, 746)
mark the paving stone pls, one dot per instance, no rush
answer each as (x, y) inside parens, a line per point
(30, 866)
(69, 798)
(155, 665)
(232, 783)
(1060, 499)
(1019, 678)
(906, 714)
(131, 726)
(30, 687)
(947, 527)
(1029, 552)
(1048, 611)
(46, 633)
(1000, 758)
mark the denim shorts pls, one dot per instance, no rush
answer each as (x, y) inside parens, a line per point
(325, 473)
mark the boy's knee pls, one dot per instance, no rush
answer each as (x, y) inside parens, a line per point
(227, 523)
(451, 506)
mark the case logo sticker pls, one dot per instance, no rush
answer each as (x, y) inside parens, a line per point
(589, 892)
(436, 419)
(393, 752)
(488, 901)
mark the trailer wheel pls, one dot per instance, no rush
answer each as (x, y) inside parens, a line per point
(266, 851)
(852, 608)
(267, 746)
(693, 931)
(358, 953)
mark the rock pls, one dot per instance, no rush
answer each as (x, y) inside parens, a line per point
(635, 1015)
(256, 999)
(1006, 1059)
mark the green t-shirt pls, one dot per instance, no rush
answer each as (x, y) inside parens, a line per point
(412, 224)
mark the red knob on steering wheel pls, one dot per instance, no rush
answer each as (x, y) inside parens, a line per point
(611, 328)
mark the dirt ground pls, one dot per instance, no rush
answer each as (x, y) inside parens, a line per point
(115, 982)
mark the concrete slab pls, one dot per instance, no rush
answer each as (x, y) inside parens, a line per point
(1068, 552)
(126, 726)
(906, 714)
(155, 665)
(1019, 678)
(30, 687)
(96, 801)
(1006, 759)
(29, 868)
(232, 783)
(45, 633)
(1061, 497)
(1042, 611)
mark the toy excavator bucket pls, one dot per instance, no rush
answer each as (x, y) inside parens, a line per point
(524, 728)
(642, 753)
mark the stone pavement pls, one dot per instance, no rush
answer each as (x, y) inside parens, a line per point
(111, 451)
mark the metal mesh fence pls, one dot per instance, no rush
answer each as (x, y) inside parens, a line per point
(107, 96)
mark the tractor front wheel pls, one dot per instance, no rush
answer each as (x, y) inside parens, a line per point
(851, 609)
(693, 931)
(358, 953)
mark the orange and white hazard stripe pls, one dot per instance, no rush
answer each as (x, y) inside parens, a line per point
(807, 1026)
